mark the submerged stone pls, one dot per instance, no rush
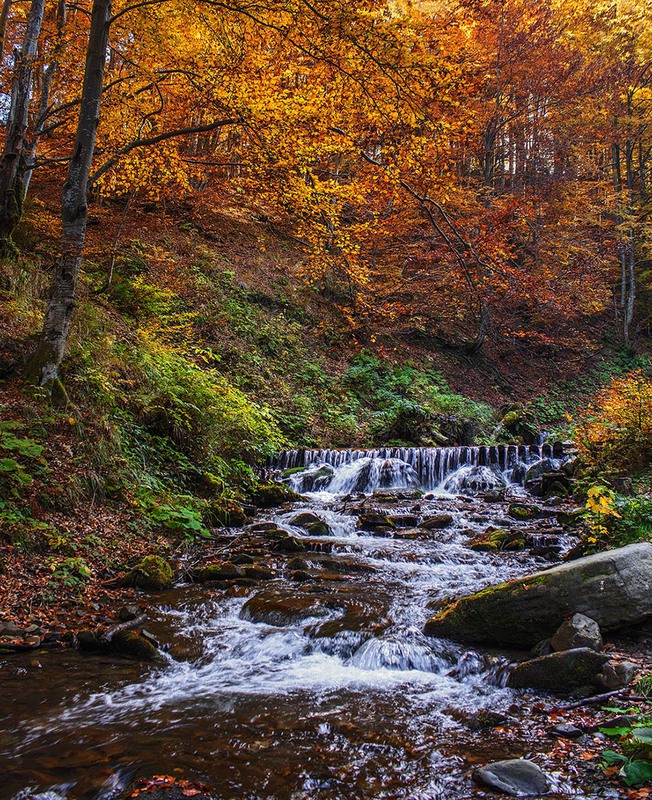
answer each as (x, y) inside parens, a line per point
(281, 610)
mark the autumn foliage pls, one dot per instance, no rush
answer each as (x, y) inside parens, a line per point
(615, 436)
(451, 170)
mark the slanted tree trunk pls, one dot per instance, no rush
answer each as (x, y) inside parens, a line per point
(45, 363)
(13, 154)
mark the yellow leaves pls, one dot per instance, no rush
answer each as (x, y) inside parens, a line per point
(601, 501)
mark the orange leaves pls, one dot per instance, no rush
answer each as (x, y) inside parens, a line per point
(149, 785)
(615, 436)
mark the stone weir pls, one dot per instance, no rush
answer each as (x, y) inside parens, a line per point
(431, 465)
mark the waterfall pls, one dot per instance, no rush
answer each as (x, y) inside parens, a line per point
(452, 468)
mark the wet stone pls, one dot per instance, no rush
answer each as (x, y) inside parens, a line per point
(566, 731)
(516, 777)
(559, 672)
(221, 571)
(437, 522)
(128, 612)
(281, 610)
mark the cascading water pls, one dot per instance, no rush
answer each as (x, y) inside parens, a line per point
(449, 468)
(318, 683)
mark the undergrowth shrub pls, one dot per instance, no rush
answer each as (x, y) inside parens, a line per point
(614, 438)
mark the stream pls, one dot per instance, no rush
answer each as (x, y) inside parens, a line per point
(318, 682)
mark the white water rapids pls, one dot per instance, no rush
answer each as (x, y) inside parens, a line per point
(350, 697)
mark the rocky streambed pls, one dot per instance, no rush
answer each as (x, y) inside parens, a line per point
(294, 662)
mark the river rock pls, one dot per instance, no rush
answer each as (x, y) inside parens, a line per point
(613, 588)
(129, 612)
(523, 511)
(221, 571)
(437, 522)
(516, 777)
(565, 730)
(396, 495)
(282, 542)
(374, 521)
(498, 539)
(404, 520)
(310, 522)
(268, 495)
(153, 573)
(577, 631)
(258, 573)
(617, 676)
(130, 643)
(571, 517)
(559, 672)
(281, 610)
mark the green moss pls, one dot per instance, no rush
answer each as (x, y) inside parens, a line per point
(267, 495)
(222, 571)
(153, 573)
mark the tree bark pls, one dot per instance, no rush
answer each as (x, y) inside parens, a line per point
(4, 17)
(13, 155)
(46, 361)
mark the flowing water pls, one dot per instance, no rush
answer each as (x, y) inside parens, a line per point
(337, 694)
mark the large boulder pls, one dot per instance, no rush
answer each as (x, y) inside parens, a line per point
(613, 588)
(559, 672)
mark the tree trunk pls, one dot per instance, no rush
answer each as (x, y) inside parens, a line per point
(45, 363)
(13, 155)
(485, 317)
(4, 17)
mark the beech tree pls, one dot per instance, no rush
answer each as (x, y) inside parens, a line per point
(45, 363)
(14, 154)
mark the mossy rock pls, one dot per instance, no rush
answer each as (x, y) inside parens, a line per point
(221, 571)
(497, 540)
(153, 573)
(518, 423)
(269, 495)
(555, 489)
(612, 588)
(374, 521)
(571, 518)
(312, 523)
(523, 511)
(318, 528)
(225, 515)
